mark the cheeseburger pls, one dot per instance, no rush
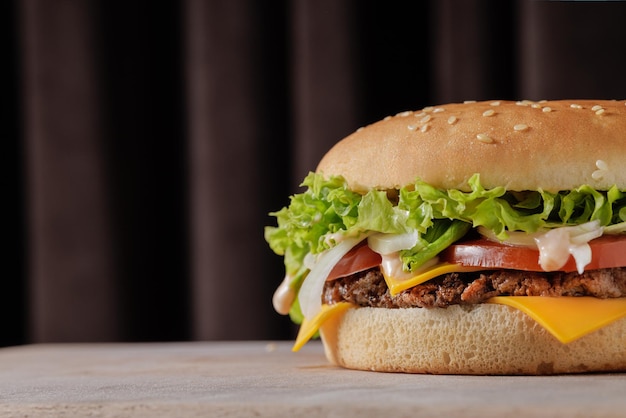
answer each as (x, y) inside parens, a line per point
(470, 238)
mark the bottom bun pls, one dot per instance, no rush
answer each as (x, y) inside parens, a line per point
(469, 339)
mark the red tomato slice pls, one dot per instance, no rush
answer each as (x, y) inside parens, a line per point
(360, 258)
(607, 251)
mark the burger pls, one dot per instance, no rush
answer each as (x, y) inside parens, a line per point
(467, 238)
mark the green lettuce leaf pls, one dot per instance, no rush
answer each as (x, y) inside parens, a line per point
(437, 238)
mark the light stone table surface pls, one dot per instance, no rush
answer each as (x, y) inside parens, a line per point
(265, 379)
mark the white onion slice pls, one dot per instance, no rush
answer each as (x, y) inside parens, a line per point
(309, 260)
(310, 295)
(582, 255)
(516, 238)
(391, 243)
(619, 228)
(583, 233)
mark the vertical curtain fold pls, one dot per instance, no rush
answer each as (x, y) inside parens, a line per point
(325, 97)
(572, 50)
(232, 150)
(71, 292)
(12, 314)
(474, 50)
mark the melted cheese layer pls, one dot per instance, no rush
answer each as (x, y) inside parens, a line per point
(397, 285)
(567, 318)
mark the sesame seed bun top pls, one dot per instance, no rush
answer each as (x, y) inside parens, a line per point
(552, 145)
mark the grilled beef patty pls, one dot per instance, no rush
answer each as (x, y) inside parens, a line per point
(369, 288)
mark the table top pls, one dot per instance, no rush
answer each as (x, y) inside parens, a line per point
(260, 378)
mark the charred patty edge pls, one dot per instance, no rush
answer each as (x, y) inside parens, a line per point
(368, 288)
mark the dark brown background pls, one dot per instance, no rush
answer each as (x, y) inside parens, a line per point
(145, 142)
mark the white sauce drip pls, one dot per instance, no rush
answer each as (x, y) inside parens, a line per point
(389, 247)
(556, 245)
(391, 265)
(284, 296)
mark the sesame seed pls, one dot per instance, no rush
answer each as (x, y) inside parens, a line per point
(494, 104)
(599, 112)
(405, 114)
(484, 138)
(428, 109)
(452, 120)
(469, 101)
(387, 117)
(419, 115)
(425, 119)
(602, 165)
(536, 106)
(521, 103)
(596, 107)
(489, 112)
(598, 174)
(575, 106)
(412, 127)
(520, 127)
(439, 110)
(547, 109)
(425, 128)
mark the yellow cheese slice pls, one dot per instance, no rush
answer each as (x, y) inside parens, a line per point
(567, 318)
(396, 285)
(309, 327)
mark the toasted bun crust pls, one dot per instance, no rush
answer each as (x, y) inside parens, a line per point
(475, 339)
(553, 145)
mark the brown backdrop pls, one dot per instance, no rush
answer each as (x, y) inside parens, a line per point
(147, 141)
